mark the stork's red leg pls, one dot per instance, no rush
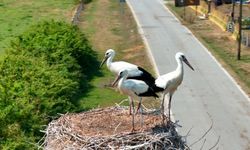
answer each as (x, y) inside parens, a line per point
(162, 109)
(130, 106)
(133, 115)
(169, 107)
(138, 107)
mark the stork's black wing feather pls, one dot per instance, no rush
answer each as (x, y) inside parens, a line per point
(145, 76)
(150, 92)
(148, 79)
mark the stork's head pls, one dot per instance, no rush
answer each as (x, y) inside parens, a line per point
(122, 73)
(182, 57)
(108, 54)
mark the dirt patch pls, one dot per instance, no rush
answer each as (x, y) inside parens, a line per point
(244, 136)
(98, 21)
(134, 53)
(111, 25)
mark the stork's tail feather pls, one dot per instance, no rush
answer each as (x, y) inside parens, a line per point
(149, 93)
(147, 77)
(149, 80)
(156, 88)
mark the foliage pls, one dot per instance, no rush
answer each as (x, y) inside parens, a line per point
(246, 21)
(40, 76)
(57, 43)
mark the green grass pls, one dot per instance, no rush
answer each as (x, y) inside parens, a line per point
(230, 59)
(16, 16)
(89, 17)
(100, 95)
(107, 27)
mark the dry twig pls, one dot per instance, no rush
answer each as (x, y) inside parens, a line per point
(215, 143)
(211, 126)
(61, 134)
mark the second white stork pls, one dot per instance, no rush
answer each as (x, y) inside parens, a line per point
(133, 88)
(134, 71)
(168, 83)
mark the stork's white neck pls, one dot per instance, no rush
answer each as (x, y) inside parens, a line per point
(179, 69)
(122, 79)
(109, 60)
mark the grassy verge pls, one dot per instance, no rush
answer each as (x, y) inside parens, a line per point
(106, 23)
(16, 16)
(220, 43)
(110, 25)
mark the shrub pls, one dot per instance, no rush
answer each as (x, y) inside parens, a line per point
(57, 43)
(40, 75)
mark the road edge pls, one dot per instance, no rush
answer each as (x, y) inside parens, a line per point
(211, 55)
(148, 49)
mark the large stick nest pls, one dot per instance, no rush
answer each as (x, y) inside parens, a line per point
(109, 128)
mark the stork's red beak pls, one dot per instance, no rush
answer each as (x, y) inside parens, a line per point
(116, 80)
(189, 65)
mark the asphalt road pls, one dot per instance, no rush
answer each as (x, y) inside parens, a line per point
(206, 94)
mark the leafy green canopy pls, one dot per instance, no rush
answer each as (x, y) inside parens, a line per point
(40, 76)
(57, 43)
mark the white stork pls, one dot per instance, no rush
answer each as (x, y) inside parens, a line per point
(168, 83)
(133, 88)
(134, 71)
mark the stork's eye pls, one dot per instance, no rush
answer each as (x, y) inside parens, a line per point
(183, 57)
(121, 73)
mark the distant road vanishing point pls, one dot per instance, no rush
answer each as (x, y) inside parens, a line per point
(207, 94)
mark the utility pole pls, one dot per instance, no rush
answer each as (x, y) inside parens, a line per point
(184, 9)
(240, 33)
(209, 6)
(184, 12)
(233, 8)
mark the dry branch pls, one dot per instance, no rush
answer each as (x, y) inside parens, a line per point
(217, 142)
(210, 128)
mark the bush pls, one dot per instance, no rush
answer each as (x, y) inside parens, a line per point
(57, 43)
(42, 72)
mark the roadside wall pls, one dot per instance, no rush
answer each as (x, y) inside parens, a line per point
(220, 16)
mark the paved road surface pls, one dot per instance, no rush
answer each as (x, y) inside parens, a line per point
(207, 90)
